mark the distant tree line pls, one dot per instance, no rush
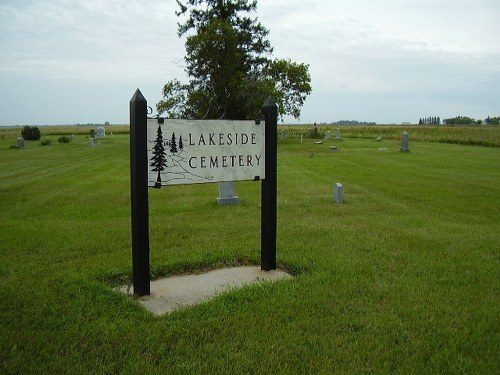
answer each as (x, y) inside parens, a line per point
(353, 122)
(462, 120)
(429, 121)
(459, 120)
(492, 120)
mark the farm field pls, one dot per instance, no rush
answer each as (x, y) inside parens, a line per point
(404, 277)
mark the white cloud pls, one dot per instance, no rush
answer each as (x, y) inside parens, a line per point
(93, 39)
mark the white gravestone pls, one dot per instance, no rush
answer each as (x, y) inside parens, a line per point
(328, 135)
(227, 193)
(101, 132)
(338, 193)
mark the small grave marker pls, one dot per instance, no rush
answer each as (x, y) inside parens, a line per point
(101, 132)
(20, 142)
(92, 137)
(338, 136)
(227, 193)
(404, 142)
(338, 193)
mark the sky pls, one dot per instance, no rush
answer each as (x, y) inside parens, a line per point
(384, 61)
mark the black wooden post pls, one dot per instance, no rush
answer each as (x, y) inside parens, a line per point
(269, 189)
(139, 193)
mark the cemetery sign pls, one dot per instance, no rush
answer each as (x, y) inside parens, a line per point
(167, 152)
(201, 151)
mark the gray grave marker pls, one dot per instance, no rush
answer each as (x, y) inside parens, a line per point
(338, 136)
(404, 142)
(20, 142)
(328, 135)
(338, 193)
(227, 193)
(92, 137)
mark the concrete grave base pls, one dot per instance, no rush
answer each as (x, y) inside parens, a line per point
(177, 292)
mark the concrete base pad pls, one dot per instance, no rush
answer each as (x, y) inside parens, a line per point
(176, 292)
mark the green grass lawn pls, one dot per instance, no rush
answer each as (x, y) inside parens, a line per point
(403, 278)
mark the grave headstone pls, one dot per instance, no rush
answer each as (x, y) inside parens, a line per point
(332, 147)
(404, 142)
(338, 193)
(338, 136)
(92, 137)
(20, 142)
(283, 134)
(101, 132)
(379, 139)
(328, 135)
(227, 193)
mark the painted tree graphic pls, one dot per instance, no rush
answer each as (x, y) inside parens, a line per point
(159, 159)
(173, 144)
(181, 144)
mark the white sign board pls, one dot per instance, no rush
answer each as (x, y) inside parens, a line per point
(201, 151)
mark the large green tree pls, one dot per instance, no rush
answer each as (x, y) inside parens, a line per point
(228, 61)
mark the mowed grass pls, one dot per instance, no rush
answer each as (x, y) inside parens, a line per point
(402, 278)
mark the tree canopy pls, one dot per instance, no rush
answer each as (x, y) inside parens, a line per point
(461, 120)
(229, 66)
(492, 120)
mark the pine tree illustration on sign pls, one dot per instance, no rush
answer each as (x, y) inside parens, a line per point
(159, 159)
(173, 144)
(181, 144)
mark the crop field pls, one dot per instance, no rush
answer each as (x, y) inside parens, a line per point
(402, 278)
